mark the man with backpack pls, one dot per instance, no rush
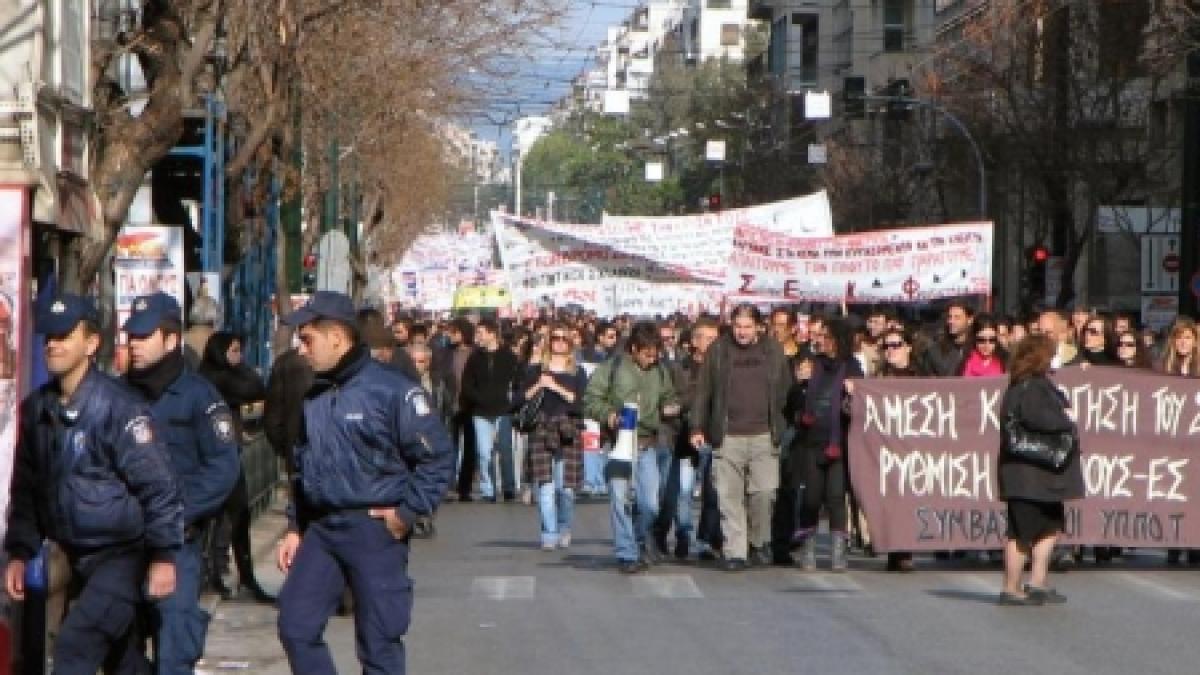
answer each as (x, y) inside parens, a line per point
(635, 378)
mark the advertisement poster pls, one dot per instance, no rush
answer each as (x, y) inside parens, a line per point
(13, 326)
(147, 259)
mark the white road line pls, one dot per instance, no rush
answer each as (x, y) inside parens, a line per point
(1156, 587)
(504, 588)
(826, 582)
(671, 586)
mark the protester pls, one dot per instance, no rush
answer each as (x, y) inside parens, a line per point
(200, 434)
(898, 362)
(354, 530)
(1098, 346)
(555, 450)
(944, 358)
(985, 359)
(460, 336)
(819, 469)
(635, 379)
(488, 379)
(1035, 494)
(1131, 353)
(783, 327)
(242, 389)
(677, 461)
(708, 532)
(120, 550)
(1052, 324)
(738, 411)
(1181, 357)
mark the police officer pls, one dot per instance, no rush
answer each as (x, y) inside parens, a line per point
(372, 456)
(203, 450)
(92, 474)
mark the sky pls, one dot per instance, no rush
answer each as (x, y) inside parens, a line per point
(545, 76)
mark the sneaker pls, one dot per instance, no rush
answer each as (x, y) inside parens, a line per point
(735, 565)
(564, 540)
(629, 566)
(548, 546)
(1045, 596)
(760, 556)
(808, 554)
(1010, 600)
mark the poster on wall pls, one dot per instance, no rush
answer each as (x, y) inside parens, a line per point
(13, 327)
(147, 259)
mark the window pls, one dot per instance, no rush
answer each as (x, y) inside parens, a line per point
(806, 67)
(731, 35)
(719, 4)
(893, 25)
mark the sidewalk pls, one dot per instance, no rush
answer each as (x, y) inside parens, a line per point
(241, 635)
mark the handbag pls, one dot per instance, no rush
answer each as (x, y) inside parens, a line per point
(1051, 450)
(525, 419)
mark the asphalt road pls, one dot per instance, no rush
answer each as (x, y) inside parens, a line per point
(489, 601)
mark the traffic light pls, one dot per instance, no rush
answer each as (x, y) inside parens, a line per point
(1035, 271)
(714, 201)
(854, 97)
(308, 278)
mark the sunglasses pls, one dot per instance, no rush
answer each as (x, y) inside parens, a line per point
(1095, 331)
(559, 336)
(893, 345)
(1128, 343)
(985, 340)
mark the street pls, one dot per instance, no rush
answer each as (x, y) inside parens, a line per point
(489, 601)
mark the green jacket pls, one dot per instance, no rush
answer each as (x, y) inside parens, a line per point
(620, 380)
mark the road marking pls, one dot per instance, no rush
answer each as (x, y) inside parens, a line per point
(504, 588)
(671, 586)
(1156, 587)
(822, 582)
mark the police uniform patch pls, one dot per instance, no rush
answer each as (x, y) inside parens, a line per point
(419, 402)
(222, 422)
(141, 430)
(58, 307)
(140, 306)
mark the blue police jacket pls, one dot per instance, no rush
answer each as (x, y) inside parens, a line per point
(201, 441)
(370, 438)
(92, 474)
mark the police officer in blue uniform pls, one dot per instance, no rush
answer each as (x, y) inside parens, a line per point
(372, 457)
(92, 474)
(199, 433)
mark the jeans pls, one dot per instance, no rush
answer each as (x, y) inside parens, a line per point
(179, 624)
(494, 434)
(593, 472)
(677, 478)
(556, 503)
(630, 534)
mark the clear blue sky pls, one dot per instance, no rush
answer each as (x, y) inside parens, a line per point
(546, 75)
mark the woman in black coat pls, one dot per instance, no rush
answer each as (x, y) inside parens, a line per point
(240, 386)
(1035, 494)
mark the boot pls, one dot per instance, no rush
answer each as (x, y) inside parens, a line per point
(808, 554)
(247, 580)
(837, 562)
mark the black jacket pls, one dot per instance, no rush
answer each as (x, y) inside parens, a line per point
(92, 474)
(944, 358)
(290, 378)
(1039, 406)
(238, 384)
(488, 381)
(710, 406)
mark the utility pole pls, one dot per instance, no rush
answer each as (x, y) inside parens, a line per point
(1189, 254)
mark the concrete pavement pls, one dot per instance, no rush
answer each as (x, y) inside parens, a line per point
(489, 601)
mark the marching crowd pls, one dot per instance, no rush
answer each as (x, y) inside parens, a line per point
(138, 480)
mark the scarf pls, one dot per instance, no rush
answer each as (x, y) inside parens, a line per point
(154, 379)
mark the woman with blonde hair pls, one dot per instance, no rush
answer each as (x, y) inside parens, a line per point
(555, 459)
(1181, 357)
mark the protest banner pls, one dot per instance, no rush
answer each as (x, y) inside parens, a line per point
(147, 259)
(14, 327)
(641, 265)
(906, 265)
(436, 264)
(923, 460)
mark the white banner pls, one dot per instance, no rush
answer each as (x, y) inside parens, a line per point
(641, 265)
(436, 265)
(905, 265)
(14, 359)
(148, 259)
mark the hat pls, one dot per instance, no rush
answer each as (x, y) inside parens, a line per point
(149, 312)
(62, 313)
(324, 305)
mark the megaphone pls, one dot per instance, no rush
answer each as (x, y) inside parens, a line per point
(625, 446)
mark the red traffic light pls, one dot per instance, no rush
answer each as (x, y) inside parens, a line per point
(310, 261)
(714, 201)
(1040, 254)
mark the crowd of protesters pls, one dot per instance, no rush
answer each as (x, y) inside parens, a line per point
(745, 419)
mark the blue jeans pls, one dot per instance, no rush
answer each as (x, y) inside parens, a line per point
(677, 479)
(179, 624)
(339, 549)
(629, 535)
(494, 434)
(593, 472)
(556, 503)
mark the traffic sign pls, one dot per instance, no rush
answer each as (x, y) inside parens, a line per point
(1170, 263)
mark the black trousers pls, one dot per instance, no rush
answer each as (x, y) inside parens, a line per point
(462, 434)
(819, 483)
(101, 630)
(708, 530)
